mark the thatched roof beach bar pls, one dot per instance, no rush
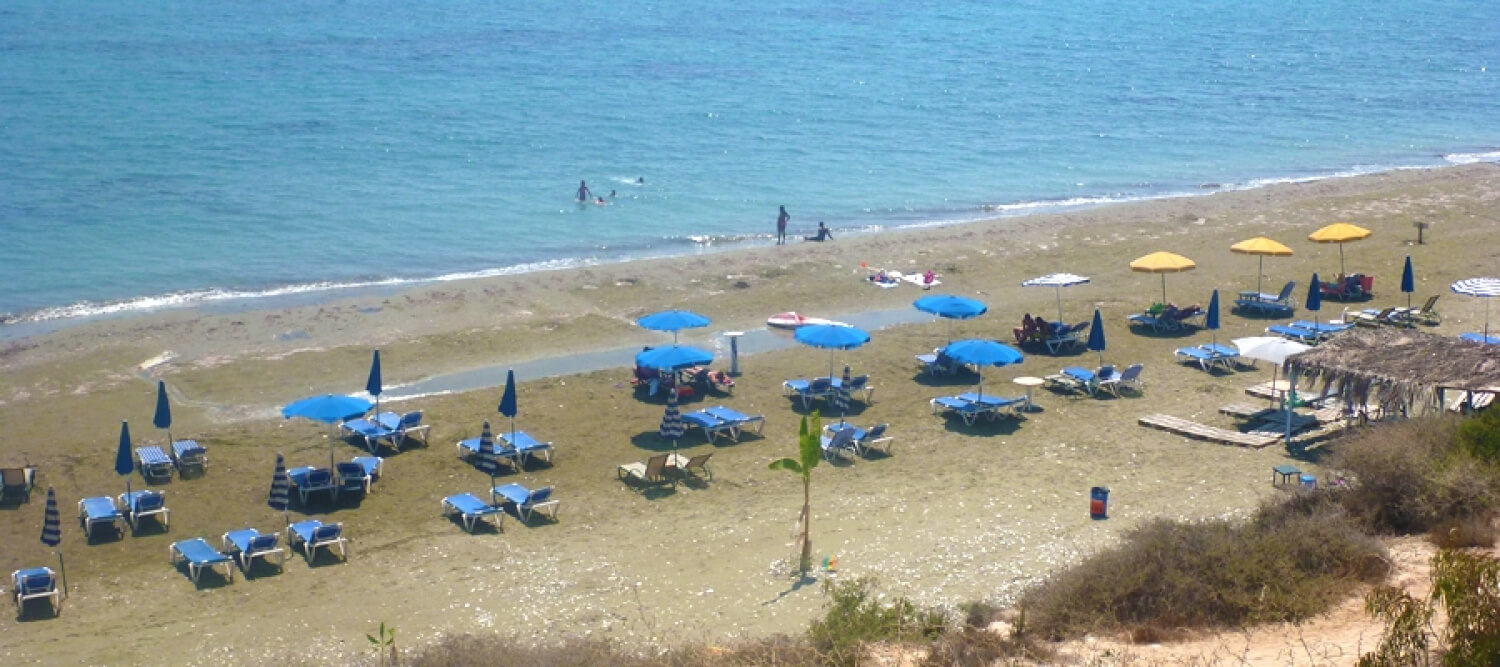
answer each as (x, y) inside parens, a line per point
(1402, 368)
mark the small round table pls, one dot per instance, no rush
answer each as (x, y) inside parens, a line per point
(1029, 383)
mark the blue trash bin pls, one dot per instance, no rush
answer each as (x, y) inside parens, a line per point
(1099, 502)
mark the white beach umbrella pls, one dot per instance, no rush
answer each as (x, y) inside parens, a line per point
(1483, 288)
(1274, 349)
(1058, 281)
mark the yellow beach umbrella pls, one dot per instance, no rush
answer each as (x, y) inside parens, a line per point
(1163, 263)
(1262, 246)
(1340, 233)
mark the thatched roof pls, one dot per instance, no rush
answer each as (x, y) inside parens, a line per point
(1404, 367)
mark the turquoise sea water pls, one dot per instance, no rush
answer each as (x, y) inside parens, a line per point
(177, 152)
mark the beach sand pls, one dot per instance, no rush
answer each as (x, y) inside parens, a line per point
(957, 514)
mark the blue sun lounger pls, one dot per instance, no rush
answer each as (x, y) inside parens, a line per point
(101, 509)
(404, 426)
(471, 510)
(34, 584)
(312, 534)
(840, 445)
(526, 501)
(527, 446)
(712, 426)
(808, 390)
(1480, 338)
(200, 555)
(739, 420)
(1227, 355)
(189, 455)
(141, 504)
(247, 544)
(309, 479)
(371, 432)
(153, 463)
(866, 440)
(504, 453)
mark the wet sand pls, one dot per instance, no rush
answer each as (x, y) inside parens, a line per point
(958, 513)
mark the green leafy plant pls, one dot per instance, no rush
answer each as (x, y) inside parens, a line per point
(384, 642)
(810, 452)
(856, 617)
(1467, 585)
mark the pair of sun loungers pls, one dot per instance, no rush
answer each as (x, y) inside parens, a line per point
(1169, 318)
(523, 501)
(245, 545)
(1055, 336)
(1309, 331)
(387, 428)
(825, 388)
(849, 441)
(1105, 378)
(155, 465)
(720, 421)
(1209, 355)
(138, 505)
(665, 469)
(37, 583)
(1272, 305)
(357, 475)
(971, 407)
(512, 449)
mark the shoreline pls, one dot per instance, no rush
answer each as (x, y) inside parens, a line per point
(958, 513)
(48, 319)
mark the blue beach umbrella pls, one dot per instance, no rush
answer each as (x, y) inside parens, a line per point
(1315, 300)
(673, 321)
(163, 417)
(832, 337)
(1408, 281)
(52, 534)
(951, 307)
(373, 384)
(327, 408)
(671, 420)
(673, 358)
(1096, 336)
(1212, 321)
(124, 463)
(983, 353)
(508, 401)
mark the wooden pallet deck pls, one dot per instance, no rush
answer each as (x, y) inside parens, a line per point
(1198, 431)
(1246, 411)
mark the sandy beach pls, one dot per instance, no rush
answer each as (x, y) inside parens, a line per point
(957, 513)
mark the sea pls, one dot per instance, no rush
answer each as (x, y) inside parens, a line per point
(184, 153)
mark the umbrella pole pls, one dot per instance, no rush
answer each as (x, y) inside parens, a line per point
(1258, 273)
(1164, 289)
(64, 570)
(1059, 304)
(1486, 320)
(1341, 260)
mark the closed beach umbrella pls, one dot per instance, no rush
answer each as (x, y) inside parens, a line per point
(1096, 336)
(673, 358)
(1263, 247)
(1056, 281)
(373, 383)
(1163, 262)
(951, 307)
(124, 462)
(671, 420)
(673, 321)
(841, 397)
(1408, 281)
(1314, 299)
(1483, 288)
(1340, 233)
(983, 353)
(280, 496)
(832, 337)
(163, 417)
(52, 534)
(1212, 321)
(508, 401)
(485, 459)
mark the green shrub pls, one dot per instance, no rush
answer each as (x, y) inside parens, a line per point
(856, 618)
(1412, 476)
(1292, 560)
(1480, 435)
(1467, 586)
(1463, 533)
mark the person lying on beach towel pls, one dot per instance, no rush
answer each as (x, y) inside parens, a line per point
(883, 279)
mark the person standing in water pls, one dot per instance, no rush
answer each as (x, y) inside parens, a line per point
(583, 192)
(781, 221)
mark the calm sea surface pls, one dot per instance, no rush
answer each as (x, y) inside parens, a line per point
(176, 152)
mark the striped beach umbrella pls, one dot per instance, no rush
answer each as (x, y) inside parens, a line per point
(1483, 288)
(281, 487)
(671, 420)
(52, 533)
(485, 460)
(841, 397)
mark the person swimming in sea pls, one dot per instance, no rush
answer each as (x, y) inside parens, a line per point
(823, 234)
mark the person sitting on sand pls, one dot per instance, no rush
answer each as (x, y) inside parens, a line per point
(823, 234)
(881, 278)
